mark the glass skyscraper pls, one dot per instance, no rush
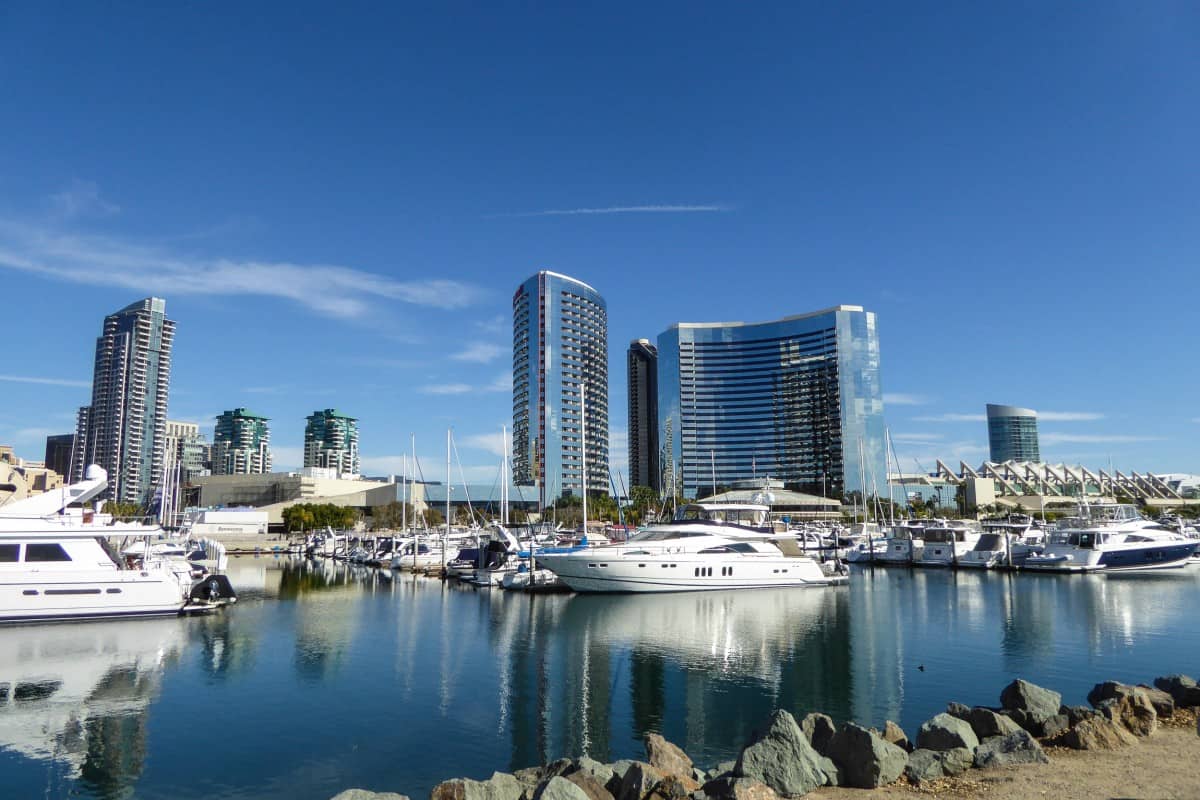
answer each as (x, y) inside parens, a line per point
(560, 367)
(331, 441)
(124, 429)
(1012, 434)
(241, 444)
(642, 361)
(794, 399)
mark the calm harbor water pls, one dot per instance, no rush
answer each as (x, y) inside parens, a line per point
(326, 677)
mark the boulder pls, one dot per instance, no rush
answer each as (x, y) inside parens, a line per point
(1126, 705)
(560, 788)
(1164, 704)
(958, 710)
(730, 788)
(619, 769)
(818, 729)
(987, 723)
(1076, 714)
(722, 770)
(1018, 747)
(673, 787)
(867, 761)
(603, 773)
(638, 781)
(501, 786)
(591, 785)
(895, 734)
(1033, 708)
(1183, 690)
(365, 794)
(945, 732)
(928, 765)
(1095, 733)
(666, 757)
(780, 756)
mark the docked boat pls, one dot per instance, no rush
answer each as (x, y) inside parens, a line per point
(1111, 537)
(707, 547)
(946, 542)
(906, 544)
(57, 564)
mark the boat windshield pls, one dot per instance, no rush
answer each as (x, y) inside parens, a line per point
(735, 515)
(990, 542)
(658, 535)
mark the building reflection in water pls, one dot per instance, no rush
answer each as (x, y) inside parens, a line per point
(77, 697)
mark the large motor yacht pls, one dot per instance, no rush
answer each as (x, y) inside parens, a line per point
(1111, 537)
(56, 563)
(947, 542)
(707, 546)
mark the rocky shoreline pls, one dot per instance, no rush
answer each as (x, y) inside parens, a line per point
(789, 758)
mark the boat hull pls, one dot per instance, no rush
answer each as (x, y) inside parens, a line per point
(107, 594)
(685, 573)
(1141, 559)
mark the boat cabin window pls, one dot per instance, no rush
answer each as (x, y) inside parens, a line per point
(732, 547)
(45, 552)
(9, 552)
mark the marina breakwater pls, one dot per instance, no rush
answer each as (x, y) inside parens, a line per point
(789, 758)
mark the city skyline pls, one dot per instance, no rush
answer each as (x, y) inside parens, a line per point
(1016, 237)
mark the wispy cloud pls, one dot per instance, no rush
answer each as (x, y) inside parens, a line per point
(35, 434)
(80, 199)
(1094, 438)
(710, 208)
(286, 458)
(1069, 416)
(952, 418)
(445, 388)
(502, 383)
(491, 442)
(902, 399)
(332, 290)
(480, 353)
(44, 381)
(917, 437)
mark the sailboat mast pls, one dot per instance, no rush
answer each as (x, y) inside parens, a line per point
(504, 475)
(446, 535)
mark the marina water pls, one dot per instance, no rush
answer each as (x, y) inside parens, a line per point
(325, 677)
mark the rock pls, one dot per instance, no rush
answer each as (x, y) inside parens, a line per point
(603, 773)
(699, 776)
(818, 729)
(780, 756)
(559, 766)
(895, 734)
(501, 786)
(1076, 714)
(945, 732)
(1051, 727)
(591, 785)
(928, 765)
(1164, 704)
(1095, 733)
(1032, 707)
(867, 761)
(833, 773)
(666, 757)
(1018, 747)
(1127, 705)
(1183, 690)
(722, 770)
(619, 769)
(730, 788)
(958, 710)
(987, 723)
(560, 788)
(364, 794)
(638, 781)
(674, 787)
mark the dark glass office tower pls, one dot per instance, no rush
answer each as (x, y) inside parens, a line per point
(643, 414)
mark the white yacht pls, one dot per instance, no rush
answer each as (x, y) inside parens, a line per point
(906, 544)
(707, 547)
(1111, 537)
(57, 564)
(946, 542)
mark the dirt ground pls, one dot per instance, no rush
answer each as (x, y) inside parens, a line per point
(1165, 766)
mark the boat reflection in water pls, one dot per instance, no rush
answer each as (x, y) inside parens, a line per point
(77, 697)
(590, 674)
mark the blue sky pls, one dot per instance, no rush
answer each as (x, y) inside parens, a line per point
(338, 204)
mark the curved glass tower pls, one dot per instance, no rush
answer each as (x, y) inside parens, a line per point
(1012, 434)
(790, 399)
(560, 358)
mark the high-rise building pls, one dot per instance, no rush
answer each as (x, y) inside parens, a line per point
(186, 451)
(560, 369)
(124, 429)
(1012, 434)
(331, 441)
(643, 414)
(58, 453)
(241, 444)
(793, 399)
